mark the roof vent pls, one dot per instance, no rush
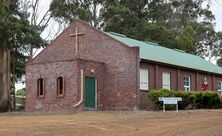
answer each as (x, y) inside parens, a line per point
(178, 50)
(148, 42)
(117, 34)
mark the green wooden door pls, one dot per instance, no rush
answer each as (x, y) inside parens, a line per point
(90, 92)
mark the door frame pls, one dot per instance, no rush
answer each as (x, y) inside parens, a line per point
(95, 90)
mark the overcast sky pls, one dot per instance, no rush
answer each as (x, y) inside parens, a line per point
(216, 8)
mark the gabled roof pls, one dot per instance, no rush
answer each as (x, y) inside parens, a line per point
(154, 52)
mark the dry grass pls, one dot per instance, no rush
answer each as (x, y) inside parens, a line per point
(138, 123)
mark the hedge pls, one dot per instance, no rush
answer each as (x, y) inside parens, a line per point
(190, 100)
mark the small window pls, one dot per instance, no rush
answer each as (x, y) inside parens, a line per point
(60, 86)
(40, 87)
(144, 79)
(186, 81)
(219, 87)
(166, 80)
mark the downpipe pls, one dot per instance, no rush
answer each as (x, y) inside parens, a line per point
(81, 86)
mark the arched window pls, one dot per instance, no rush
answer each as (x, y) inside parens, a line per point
(60, 86)
(40, 87)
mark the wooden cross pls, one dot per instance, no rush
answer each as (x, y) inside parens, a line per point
(76, 36)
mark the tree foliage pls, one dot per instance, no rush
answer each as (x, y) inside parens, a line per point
(37, 21)
(183, 24)
(69, 10)
(219, 62)
(21, 92)
(173, 24)
(16, 34)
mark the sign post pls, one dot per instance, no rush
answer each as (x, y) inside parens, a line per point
(170, 100)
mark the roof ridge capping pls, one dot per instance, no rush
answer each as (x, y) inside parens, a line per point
(117, 34)
(178, 50)
(148, 42)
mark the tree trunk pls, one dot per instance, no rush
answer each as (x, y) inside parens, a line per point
(5, 79)
(95, 21)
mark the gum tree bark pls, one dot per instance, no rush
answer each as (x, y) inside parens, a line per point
(5, 79)
(5, 74)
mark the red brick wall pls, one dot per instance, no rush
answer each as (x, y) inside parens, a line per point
(121, 67)
(216, 79)
(116, 70)
(145, 102)
(96, 70)
(173, 76)
(57, 59)
(177, 75)
(151, 70)
(62, 48)
(49, 72)
(192, 75)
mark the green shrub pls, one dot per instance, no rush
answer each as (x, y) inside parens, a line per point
(192, 99)
(220, 102)
(207, 100)
(20, 101)
(155, 94)
(21, 92)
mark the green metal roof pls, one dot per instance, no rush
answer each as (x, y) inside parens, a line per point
(154, 52)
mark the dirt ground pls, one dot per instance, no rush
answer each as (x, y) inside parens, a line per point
(119, 123)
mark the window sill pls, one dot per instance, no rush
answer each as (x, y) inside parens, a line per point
(41, 97)
(60, 96)
(141, 90)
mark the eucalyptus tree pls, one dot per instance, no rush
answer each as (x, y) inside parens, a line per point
(184, 24)
(16, 34)
(69, 10)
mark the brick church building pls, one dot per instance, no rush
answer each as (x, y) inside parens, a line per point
(85, 68)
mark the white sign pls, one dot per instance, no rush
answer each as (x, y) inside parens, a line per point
(170, 100)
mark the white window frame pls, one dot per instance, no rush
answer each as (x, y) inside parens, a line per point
(144, 79)
(187, 87)
(166, 80)
(219, 87)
